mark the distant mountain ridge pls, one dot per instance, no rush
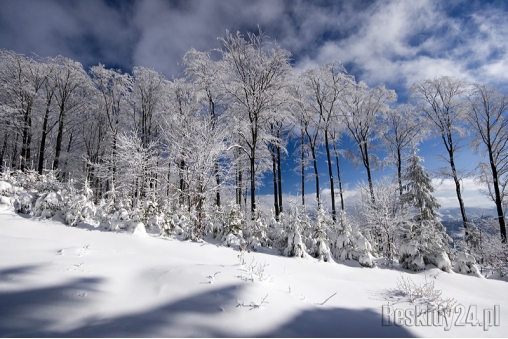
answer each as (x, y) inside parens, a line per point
(453, 214)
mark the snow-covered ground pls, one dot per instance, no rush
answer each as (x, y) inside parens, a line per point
(82, 281)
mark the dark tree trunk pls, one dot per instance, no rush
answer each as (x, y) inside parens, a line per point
(42, 147)
(497, 193)
(366, 163)
(275, 193)
(27, 138)
(449, 146)
(217, 179)
(59, 138)
(303, 170)
(279, 177)
(314, 161)
(339, 178)
(399, 171)
(4, 148)
(330, 173)
(252, 186)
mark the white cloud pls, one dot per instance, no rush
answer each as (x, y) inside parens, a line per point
(446, 195)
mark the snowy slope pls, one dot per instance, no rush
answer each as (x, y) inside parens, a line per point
(62, 281)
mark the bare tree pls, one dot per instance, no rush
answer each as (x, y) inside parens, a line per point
(488, 117)
(362, 109)
(404, 132)
(254, 76)
(441, 104)
(326, 86)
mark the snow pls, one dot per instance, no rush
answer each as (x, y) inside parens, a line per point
(85, 281)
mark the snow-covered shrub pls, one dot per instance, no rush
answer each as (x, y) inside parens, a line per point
(78, 209)
(48, 204)
(6, 193)
(319, 242)
(24, 202)
(485, 245)
(233, 222)
(424, 242)
(294, 223)
(5, 189)
(383, 216)
(466, 263)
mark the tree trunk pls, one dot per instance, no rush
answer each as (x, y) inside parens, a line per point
(4, 148)
(366, 163)
(314, 161)
(457, 182)
(275, 193)
(339, 178)
(252, 186)
(59, 138)
(42, 147)
(399, 170)
(498, 199)
(27, 138)
(330, 173)
(279, 176)
(303, 170)
(217, 179)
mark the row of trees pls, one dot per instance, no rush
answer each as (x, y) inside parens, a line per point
(201, 139)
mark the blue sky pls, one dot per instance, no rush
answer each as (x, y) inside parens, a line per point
(390, 42)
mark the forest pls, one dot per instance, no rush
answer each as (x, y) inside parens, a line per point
(186, 156)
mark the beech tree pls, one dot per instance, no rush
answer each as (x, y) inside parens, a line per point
(72, 89)
(442, 107)
(405, 131)
(204, 73)
(114, 89)
(326, 87)
(23, 79)
(253, 76)
(361, 109)
(488, 118)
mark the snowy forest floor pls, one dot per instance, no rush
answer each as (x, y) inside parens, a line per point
(60, 281)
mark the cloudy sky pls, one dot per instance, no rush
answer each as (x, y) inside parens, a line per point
(390, 42)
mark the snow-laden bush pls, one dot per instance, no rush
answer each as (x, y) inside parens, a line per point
(348, 243)
(318, 243)
(422, 243)
(6, 193)
(48, 204)
(24, 202)
(5, 189)
(293, 223)
(466, 263)
(79, 208)
(484, 243)
(232, 221)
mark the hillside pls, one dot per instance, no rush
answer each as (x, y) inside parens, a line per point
(61, 281)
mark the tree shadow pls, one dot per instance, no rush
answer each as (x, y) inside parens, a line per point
(37, 312)
(337, 323)
(25, 313)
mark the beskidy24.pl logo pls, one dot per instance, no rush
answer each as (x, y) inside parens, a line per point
(459, 316)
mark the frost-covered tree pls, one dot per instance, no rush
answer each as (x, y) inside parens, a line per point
(383, 217)
(253, 76)
(362, 109)
(488, 117)
(443, 109)
(326, 86)
(22, 81)
(404, 131)
(114, 103)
